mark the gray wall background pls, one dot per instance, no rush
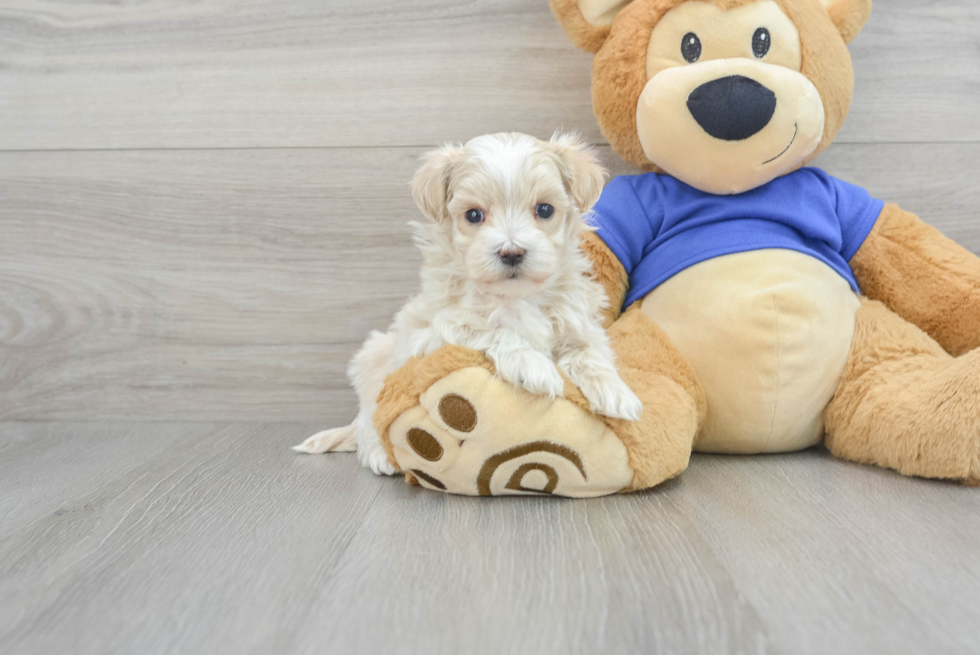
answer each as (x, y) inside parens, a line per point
(203, 204)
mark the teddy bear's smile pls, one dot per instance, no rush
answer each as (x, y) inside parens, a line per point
(796, 131)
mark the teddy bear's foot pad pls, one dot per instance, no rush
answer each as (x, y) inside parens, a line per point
(474, 434)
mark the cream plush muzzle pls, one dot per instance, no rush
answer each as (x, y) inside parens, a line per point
(668, 130)
(674, 141)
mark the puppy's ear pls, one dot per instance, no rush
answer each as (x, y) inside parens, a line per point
(583, 174)
(587, 22)
(430, 186)
(849, 16)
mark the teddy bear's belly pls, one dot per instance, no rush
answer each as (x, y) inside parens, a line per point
(768, 333)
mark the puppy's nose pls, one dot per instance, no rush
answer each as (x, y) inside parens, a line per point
(512, 256)
(732, 108)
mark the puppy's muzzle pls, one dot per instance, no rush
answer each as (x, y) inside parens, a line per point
(512, 257)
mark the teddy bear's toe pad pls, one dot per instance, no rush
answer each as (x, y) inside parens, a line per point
(475, 434)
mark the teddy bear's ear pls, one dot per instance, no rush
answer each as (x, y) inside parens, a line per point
(587, 22)
(430, 186)
(584, 176)
(848, 15)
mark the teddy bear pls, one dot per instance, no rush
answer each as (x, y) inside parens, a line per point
(756, 304)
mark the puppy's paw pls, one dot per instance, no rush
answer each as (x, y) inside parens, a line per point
(374, 457)
(335, 440)
(532, 371)
(608, 395)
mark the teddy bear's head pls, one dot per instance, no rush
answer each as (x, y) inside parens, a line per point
(725, 95)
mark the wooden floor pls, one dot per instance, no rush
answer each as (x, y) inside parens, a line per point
(202, 213)
(214, 538)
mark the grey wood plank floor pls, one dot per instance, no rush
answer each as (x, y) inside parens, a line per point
(206, 538)
(202, 213)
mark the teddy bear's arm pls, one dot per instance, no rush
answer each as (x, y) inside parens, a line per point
(922, 276)
(610, 273)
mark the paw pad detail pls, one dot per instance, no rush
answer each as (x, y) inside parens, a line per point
(422, 475)
(515, 482)
(425, 444)
(457, 412)
(474, 434)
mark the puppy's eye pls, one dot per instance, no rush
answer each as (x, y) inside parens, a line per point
(761, 42)
(691, 47)
(474, 216)
(544, 211)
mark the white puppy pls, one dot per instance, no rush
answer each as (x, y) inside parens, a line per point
(503, 273)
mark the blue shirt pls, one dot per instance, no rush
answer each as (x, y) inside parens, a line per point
(657, 226)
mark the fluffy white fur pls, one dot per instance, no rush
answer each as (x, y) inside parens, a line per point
(530, 319)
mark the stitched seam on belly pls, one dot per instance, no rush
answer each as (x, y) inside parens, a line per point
(775, 402)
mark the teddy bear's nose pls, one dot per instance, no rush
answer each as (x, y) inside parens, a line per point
(732, 108)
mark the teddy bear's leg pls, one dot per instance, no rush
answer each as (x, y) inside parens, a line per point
(674, 405)
(905, 403)
(450, 424)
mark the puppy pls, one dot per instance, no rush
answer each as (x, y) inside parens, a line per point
(503, 273)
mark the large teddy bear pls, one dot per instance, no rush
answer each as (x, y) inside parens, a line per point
(756, 305)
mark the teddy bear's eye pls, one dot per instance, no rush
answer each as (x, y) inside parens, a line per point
(691, 47)
(761, 42)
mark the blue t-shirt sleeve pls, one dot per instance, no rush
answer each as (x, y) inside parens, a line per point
(627, 216)
(858, 212)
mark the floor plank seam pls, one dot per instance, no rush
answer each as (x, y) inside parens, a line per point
(422, 146)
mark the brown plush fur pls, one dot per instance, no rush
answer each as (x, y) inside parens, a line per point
(619, 76)
(585, 36)
(609, 272)
(849, 16)
(904, 403)
(619, 68)
(660, 443)
(923, 277)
